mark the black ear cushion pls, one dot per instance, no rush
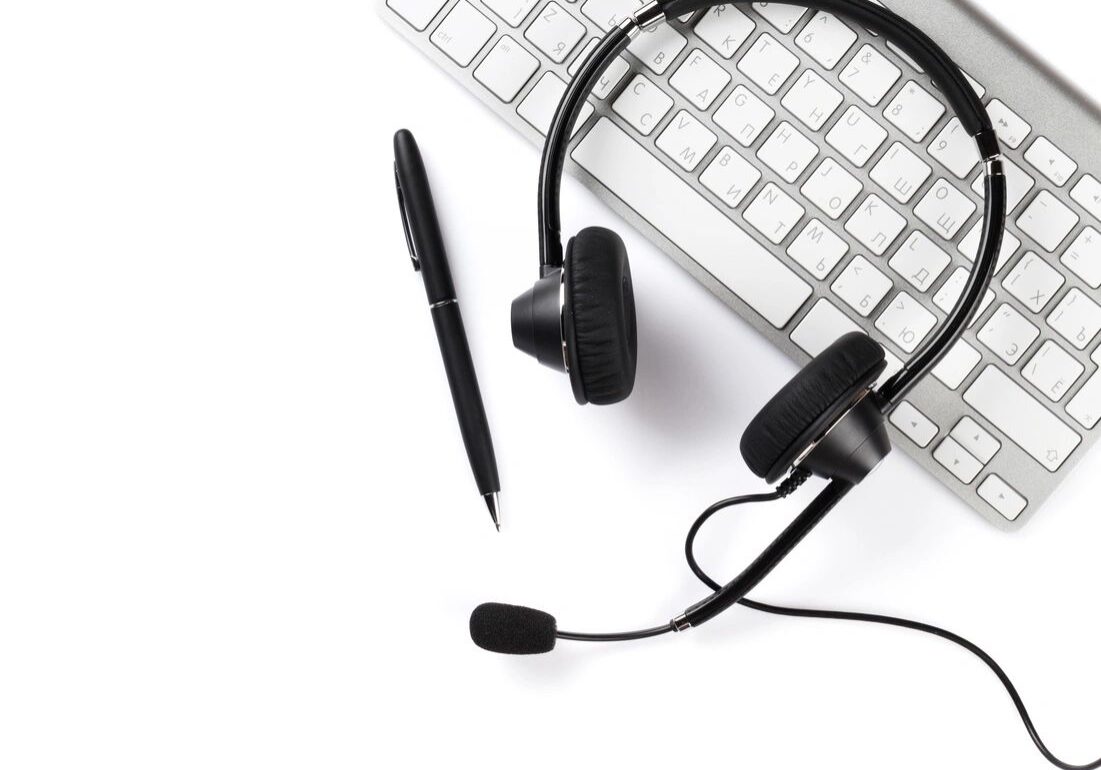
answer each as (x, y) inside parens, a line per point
(599, 321)
(810, 403)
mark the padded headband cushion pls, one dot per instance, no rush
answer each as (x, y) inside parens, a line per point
(810, 403)
(600, 317)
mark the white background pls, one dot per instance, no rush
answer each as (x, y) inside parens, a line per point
(237, 528)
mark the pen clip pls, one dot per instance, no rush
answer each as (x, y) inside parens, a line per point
(405, 221)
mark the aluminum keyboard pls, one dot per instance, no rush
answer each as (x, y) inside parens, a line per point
(810, 175)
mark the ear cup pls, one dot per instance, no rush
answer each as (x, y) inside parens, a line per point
(810, 403)
(599, 317)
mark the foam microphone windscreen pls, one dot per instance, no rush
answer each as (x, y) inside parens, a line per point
(512, 630)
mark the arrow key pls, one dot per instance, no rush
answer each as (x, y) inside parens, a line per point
(914, 425)
(976, 440)
(1002, 497)
(957, 460)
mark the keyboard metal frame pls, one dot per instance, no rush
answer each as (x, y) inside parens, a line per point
(1053, 107)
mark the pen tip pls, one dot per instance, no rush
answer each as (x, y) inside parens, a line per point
(493, 502)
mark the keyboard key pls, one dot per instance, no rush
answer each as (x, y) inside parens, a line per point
(957, 460)
(699, 79)
(862, 286)
(1083, 257)
(1022, 418)
(817, 249)
(541, 102)
(1050, 161)
(1053, 371)
(1088, 195)
(783, 17)
(787, 152)
(812, 100)
(555, 32)
(1048, 220)
(914, 425)
(1010, 128)
(744, 116)
(1034, 282)
(688, 220)
(657, 47)
(611, 78)
(609, 13)
(969, 246)
(955, 149)
(725, 29)
(914, 111)
(686, 141)
(463, 33)
(945, 209)
(506, 69)
(512, 12)
(1085, 407)
(730, 176)
(826, 39)
(642, 104)
(1077, 318)
(824, 325)
(957, 365)
(901, 173)
(1008, 334)
(856, 136)
(774, 214)
(950, 293)
(870, 75)
(976, 440)
(920, 261)
(417, 12)
(1002, 497)
(768, 64)
(875, 224)
(832, 188)
(905, 322)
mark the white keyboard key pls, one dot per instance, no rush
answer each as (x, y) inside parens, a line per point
(773, 213)
(542, 100)
(1048, 220)
(1034, 282)
(1018, 184)
(826, 39)
(901, 173)
(969, 246)
(692, 223)
(783, 17)
(609, 13)
(976, 440)
(856, 136)
(744, 116)
(905, 322)
(957, 460)
(812, 100)
(1010, 128)
(957, 365)
(506, 69)
(945, 209)
(1050, 161)
(832, 188)
(870, 75)
(642, 104)
(463, 33)
(699, 79)
(787, 152)
(1008, 334)
(686, 140)
(555, 32)
(1077, 318)
(914, 111)
(920, 261)
(955, 149)
(511, 11)
(875, 224)
(1085, 407)
(914, 425)
(1002, 497)
(611, 78)
(417, 12)
(862, 286)
(1083, 257)
(1022, 418)
(730, 176)
(1088, 195)
(725, 29)
(657, 47)
(768, 63)
(1053, 371)
(817, 249)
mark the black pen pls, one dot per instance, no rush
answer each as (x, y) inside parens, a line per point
(422, 232)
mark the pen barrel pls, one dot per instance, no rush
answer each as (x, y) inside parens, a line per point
(466, 395)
